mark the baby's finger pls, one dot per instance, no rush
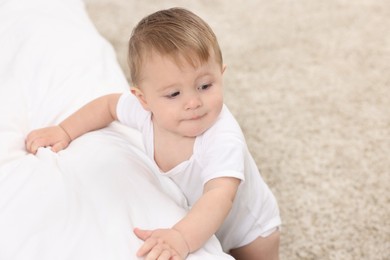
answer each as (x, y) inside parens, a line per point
(29, 141)
(34, 149)
(176, 257)
(34, 141)
(35, 146)
(165, 255)
(59, 146)
(160, 252)
(142, 233)
(31, 146)
(147, 246)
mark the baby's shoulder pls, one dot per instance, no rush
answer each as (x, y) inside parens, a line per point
(225, 124)
(226, 132)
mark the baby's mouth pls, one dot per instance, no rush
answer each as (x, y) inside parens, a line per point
(197, 117)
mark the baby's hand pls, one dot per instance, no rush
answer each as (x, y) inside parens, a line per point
(164, 244)
(54, 136)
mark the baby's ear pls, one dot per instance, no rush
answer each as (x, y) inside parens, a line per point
(223, 68)
(140, 96)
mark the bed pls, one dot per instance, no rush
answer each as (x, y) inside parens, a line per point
(83, 202)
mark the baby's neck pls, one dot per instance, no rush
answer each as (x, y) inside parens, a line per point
(170, 149)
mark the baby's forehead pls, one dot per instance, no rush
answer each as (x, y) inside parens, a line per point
(154, 60)
(180, 58)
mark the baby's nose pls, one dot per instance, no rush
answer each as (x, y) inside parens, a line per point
(194, 102)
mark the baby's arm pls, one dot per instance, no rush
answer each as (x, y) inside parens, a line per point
(209, 212)
(201, 222)
(95, 115)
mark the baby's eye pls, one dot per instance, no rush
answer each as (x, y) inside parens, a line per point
(173, 95)
(205, 86)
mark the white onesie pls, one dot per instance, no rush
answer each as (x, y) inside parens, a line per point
(221, 151)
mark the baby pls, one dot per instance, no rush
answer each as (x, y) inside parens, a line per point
(176, 101)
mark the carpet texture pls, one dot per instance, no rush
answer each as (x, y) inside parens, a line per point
(309, 82)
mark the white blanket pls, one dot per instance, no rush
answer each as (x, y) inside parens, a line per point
(83, 202)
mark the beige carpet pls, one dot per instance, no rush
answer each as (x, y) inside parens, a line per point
(309, 81)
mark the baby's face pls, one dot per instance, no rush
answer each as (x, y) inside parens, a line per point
(184, 100)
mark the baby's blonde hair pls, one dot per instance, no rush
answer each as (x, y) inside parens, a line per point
(175, 32)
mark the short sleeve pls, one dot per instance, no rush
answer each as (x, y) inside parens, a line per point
(224, 157)
(130, 112)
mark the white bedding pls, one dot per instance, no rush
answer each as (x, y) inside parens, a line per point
(83, 202)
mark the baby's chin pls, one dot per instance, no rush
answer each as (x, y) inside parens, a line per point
(195, 131)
